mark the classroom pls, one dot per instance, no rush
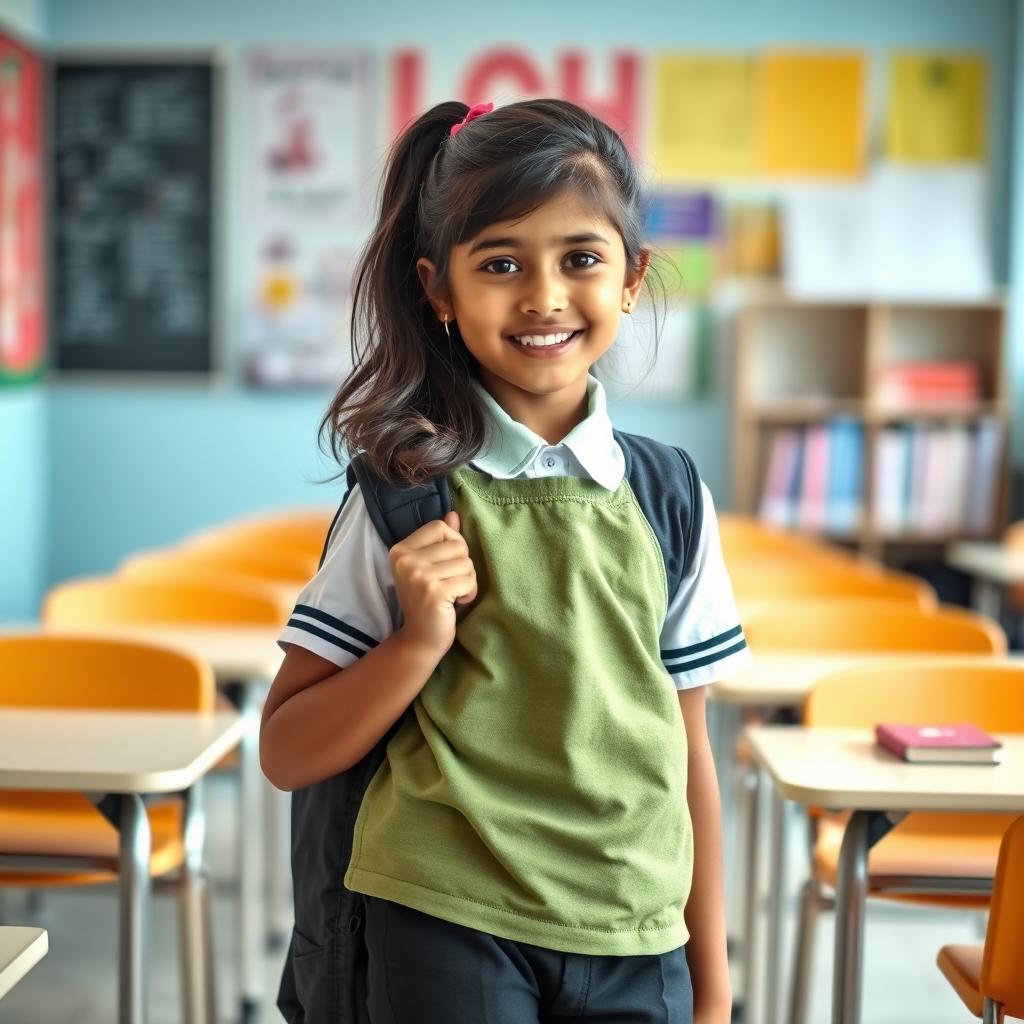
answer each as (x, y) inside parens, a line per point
(688, 582)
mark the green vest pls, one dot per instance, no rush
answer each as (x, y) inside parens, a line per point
(538, 790)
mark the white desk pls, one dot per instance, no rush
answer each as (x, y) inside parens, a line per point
(843, 769)
(126, 754)
(20, 950)
(992, 566)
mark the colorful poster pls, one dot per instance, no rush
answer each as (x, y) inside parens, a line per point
(704, 116)
(812, 114)
(937, 108)
(22, 263)
(311, 124)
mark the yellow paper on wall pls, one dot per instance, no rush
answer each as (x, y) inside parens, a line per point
(704, 115)
(812, 114)
(936, 108)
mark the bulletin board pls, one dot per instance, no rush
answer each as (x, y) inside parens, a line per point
(133, 214)
(22, 249)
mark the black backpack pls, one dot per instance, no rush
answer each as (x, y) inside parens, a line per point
(324, 979)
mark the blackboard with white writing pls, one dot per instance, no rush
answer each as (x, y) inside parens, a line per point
(133, 205)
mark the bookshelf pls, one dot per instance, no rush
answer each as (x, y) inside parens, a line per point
(883, 425)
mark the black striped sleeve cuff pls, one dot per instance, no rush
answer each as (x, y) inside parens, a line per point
(707, 652)
(330, 629)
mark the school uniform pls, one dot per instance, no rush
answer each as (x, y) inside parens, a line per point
(530, 814)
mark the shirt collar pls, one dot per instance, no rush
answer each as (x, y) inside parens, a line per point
(511, 446)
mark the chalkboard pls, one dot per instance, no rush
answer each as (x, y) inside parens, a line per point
(133, 213)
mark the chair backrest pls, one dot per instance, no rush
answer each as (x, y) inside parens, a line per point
(283, 566)
(1002, 976)
(744, 538)
(111, 600)
(785, 579)
(869, 625)
(298, 531)
(57, 671)
(910, 691)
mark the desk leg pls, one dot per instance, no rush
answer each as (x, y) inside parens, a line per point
(135, 844)
(251, 926)
(851, 892)
(753, 896)
(776, 906)
(987, 598)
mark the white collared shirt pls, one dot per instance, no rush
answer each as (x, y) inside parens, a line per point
(351, 604)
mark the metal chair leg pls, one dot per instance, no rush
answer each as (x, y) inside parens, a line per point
(803, 961)
(990, 1012)
(198, 996)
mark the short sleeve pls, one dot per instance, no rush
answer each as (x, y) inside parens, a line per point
(702, 639)
(351, 604)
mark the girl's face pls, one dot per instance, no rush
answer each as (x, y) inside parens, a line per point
(559, 271)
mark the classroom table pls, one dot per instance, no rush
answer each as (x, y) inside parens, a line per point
(20, 950)
(126, 756)
(843, 769)
(246, 658)
(993, 568)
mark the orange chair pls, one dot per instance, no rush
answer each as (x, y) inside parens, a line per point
(300, 531)
(869, 625)
(989, 978)
(112, 601)
(41, 829)
(744, 538)
(761, 583)
(931, 858)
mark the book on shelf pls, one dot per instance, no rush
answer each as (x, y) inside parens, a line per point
(811, 514)
(782, 470)
(954, 383)
(939, 744)
(983, 479)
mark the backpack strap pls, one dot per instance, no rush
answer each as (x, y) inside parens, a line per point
(397, 511)
(667, 486)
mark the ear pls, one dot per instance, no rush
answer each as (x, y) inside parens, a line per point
(427, 273)
(635, 277)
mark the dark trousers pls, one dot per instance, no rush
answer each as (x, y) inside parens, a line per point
(424, 970)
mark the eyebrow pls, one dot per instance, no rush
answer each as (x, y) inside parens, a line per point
(514, 243)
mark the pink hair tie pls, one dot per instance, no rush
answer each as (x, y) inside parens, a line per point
(474, 112)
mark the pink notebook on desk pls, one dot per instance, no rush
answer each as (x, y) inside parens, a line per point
(952, 744)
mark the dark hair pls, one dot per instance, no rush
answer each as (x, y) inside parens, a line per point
(408, 403)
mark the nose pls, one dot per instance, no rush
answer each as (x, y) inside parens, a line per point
(544, 293)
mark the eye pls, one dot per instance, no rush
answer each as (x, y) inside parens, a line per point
(586, 256)
(502, 260)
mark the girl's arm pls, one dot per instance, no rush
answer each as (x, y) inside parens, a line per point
(705, 910)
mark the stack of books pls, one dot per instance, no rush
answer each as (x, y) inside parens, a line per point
(939, 744)
(814, 479)
(938, 480)
(953, 384)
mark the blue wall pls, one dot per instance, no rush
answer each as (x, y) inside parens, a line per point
(132, 465)
(24, 425)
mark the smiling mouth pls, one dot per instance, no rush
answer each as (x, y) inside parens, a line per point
(544, 341)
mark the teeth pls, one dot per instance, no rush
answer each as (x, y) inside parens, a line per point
(543, 340)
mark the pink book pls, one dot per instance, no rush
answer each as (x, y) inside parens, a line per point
(814, 491)
(956, 744)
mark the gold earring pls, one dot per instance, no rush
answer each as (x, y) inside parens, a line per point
(446, 331)
(629, 307)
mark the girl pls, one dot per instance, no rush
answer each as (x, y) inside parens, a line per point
(542, 840)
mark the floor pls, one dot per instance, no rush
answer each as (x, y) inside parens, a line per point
(76, 982)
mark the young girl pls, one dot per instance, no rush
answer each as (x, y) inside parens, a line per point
(542, 841)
